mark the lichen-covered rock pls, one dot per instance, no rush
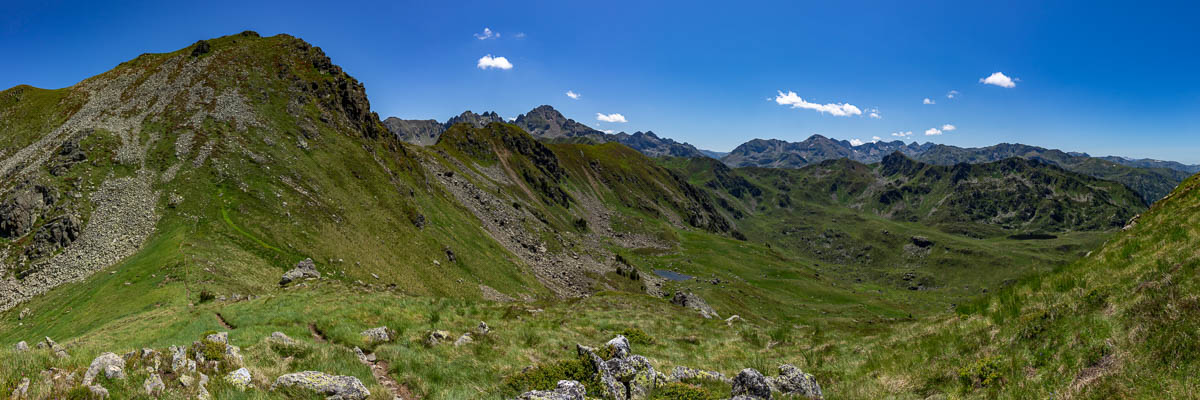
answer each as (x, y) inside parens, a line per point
(378, 335)
(304, 270)
(620, 346)
(690, 300)
(437, 337)
(751, 383)
(239, 379)
(681, 374)
(153, 385)
(219, 337)
(233, 356)
(22, 346)
(734, 319)
(463, 340)
(566, 390)
(793, 381)
(335, 387)
(483, 329)
(98, 392)
(101, 364)
(21, 390)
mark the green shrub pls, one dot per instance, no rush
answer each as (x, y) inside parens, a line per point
(637, 336)
(546, 376)
(683, 391)
(982, 373)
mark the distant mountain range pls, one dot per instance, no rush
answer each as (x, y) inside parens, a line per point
(1152, 179)
(543, 122)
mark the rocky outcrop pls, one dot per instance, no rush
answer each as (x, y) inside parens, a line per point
(751, 384)
(624, 376)
(333, 386)
(240, 378)
(109, 364)
(691, 300)
(378, 335)
(565, 390)
(304, 270)
(793, 381)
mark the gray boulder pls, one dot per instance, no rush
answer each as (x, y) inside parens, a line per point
(111, 365)
(22, 346)
(98, 391)
(690, 300)
(153, 385)
(239, 379)
(751, 383)
(566, 390)
(219, 337)
(437, 337)
(22, 390)
(463, 340)
(280, 338)
(304, 270)
(680, 374)
(793, 381)
(620, 346)
(333, 386)
(378, 335)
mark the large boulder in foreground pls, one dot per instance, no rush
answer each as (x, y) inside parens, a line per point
(304, 270)
(335, 387)
(751, 384)
(109, 364)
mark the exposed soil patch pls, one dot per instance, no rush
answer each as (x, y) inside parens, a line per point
(316, 333)
(379, 368)
(221, 320)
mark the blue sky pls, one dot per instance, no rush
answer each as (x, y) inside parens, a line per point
(1104, 78)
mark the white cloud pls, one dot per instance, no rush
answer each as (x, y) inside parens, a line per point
(608, 131)
(573, 95)
(951, 94)
(875, 139)
(902, 133)
(511, 119)
(998, 79)
(927, 101)
(487, 34)
(874, 113)
(933, 132)
(948, 127)
(488, 61)
(856, 142)
(835, 109)
(520, 35)
(610, 117)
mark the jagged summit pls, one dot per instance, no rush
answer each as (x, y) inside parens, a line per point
(546, 123)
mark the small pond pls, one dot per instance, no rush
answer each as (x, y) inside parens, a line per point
(672, 275)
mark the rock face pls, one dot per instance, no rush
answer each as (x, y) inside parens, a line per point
(793, 381)
(335, 387)
(304, 270)
(690, 300)
(752, 384)
(109, 364)
(565, 390)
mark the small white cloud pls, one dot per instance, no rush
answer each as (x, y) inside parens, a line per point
(948, 127)
(856, 142)
(902, 133)
(487, 34)
(835, 109)
(573, 95)
(488, 61)
(874, 113)
(951, 94)
(933, 132)
(608, 131)
(998, 79)
(511, 119)
(927, 101)
(610, 117)
(520, 35)
(875, 139)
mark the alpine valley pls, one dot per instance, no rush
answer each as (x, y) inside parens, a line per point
(231, 220)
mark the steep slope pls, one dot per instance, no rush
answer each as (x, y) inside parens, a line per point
(1120, 323)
